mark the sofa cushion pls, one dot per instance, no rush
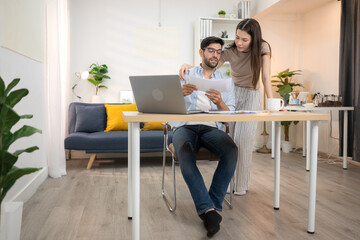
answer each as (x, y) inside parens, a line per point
(115, 121)
(152, 126)
(90, 118)
(114, 141)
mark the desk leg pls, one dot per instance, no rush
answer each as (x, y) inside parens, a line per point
(130, 185)
(277, 166)
(345, 139)
(313, 174)
(308, 148)
(135, 154)
(304, 139)
(272, 139)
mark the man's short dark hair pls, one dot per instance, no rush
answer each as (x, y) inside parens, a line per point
(209, 40)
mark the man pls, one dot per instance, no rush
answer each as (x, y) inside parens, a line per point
(189, 136)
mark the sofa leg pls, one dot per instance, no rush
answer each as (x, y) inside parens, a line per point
(91, 161)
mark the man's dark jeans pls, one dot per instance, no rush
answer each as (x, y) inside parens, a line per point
(187, 140)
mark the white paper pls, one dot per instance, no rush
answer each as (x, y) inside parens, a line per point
(220, 85)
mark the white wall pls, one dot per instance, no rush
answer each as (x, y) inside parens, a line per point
(15, 65)
(105, 33)
(320, 61)
(26, 17)
(310, 42)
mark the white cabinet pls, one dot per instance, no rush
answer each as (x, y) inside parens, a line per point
(207, 26)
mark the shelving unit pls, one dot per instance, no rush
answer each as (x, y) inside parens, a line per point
(209, 26)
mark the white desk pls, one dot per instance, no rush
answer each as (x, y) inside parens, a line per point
(306, 131)
(134, 118)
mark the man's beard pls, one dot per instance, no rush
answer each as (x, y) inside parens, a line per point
(207, 63)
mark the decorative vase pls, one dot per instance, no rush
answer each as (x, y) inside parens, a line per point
(96, 99)
(286, 146)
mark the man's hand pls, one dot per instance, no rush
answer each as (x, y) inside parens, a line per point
(188, 89)
(215, 97)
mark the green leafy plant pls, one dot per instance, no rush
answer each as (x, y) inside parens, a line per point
(283, 82)
(228, 72)
(9, 173)
(97, 74)
(222, 12)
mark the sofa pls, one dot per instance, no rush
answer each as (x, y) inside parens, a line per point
(99, 128)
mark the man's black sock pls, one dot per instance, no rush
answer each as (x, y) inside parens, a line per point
(212, 222)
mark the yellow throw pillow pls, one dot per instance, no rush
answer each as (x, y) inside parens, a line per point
(115, 121)
(152, 126)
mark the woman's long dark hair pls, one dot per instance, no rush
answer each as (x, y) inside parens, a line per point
(252, 27)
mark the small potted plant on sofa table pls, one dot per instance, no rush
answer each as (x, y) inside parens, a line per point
(97, 75)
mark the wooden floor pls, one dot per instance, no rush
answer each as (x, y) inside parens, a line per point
(92, 204)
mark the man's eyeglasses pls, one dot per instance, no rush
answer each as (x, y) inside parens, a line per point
(213, 50)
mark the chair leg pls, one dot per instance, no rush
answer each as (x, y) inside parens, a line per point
(91, 161)
(168, 204)
(231, 195)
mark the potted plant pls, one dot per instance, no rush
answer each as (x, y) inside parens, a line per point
(283, 82)
(97, 75)
(221, 14)
(9, 173)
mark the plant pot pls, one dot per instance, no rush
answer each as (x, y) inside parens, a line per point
(11, 217)
(221, 15)
(286, 146)
(96, 99)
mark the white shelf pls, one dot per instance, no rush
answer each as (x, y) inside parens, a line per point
(222, 19)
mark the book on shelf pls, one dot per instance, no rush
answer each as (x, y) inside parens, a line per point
(244, 9)
(205, 28)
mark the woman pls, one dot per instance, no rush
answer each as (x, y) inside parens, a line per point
(248, 56)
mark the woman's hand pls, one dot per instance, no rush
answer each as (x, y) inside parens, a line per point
(183, 70)
(188, 89)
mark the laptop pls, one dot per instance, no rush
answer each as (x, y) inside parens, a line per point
(159, 94)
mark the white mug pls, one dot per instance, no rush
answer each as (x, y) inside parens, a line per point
(274, 104)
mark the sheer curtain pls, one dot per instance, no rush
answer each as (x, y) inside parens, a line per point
(349, 73)
(56, 72)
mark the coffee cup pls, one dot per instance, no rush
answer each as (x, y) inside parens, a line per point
(275, 104)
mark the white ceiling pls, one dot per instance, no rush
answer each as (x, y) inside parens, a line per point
(297, 6)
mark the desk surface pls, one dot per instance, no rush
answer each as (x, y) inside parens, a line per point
(253, 117)
(302, 108)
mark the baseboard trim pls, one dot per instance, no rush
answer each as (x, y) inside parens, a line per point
(30, 188)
